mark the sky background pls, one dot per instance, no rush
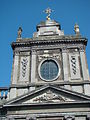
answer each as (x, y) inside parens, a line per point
(27, 14)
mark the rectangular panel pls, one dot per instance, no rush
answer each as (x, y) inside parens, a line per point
(78, 88)
(74, 66)
(24, 68)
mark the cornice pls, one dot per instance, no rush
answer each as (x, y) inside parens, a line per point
(48, 40)
(67, 104)
(56, 84)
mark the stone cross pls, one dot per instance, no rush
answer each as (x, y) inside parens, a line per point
(48, 11)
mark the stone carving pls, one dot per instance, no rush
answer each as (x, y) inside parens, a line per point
(82, 48)
(19, 32)
(24, 66)
(69, 117)
(49, 96)
(74, 66)
(16, 53)
(73, 62)
(40, 57)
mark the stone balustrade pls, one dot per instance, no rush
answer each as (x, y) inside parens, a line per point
(3, 92)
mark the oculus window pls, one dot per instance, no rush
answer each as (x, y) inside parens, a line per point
(49, 70)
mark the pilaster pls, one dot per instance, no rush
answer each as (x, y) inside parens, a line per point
(84, 67)
(85, 72)
(65, 64)
(15, 68)
(87, 89)
(13, 93)
(33, 68)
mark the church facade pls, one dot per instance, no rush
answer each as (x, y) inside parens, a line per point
(50, 77)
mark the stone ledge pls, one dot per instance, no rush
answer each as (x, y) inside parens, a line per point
(57, 83)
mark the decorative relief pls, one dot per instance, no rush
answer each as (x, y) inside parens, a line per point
(24, 66)
(16, 53)
(73, 63)
(82, 48)
(40, 57)
(64, 49)
(74, 50)
(69, 117)
(74, 66)
(48, 96)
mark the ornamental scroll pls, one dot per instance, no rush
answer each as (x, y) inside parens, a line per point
(74, 66)
(24, 68)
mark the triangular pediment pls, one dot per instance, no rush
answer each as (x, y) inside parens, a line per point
(49, 94)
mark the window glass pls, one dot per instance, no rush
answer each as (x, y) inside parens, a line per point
(49, 70)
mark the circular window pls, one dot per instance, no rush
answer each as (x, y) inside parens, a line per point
(49, 70)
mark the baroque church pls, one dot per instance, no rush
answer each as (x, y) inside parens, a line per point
(50, 76)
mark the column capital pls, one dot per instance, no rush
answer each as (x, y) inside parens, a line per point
(82, 48)
(69, 117)
(16, 53)
(30, 118)
(33, 51)
(64, 49)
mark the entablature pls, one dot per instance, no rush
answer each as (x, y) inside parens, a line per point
(49, 41)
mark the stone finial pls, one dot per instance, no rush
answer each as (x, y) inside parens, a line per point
(48, 11)
(76, 29)
(19, 32)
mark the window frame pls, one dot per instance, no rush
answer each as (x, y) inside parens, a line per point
(59, 69)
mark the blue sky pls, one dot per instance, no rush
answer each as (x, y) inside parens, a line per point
(28, 13)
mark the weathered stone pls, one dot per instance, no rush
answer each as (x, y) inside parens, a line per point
(50, 78)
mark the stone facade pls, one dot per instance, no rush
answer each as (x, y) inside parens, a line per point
(67, 51)
(50, 77)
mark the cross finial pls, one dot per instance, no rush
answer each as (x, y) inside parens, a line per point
(48, 11)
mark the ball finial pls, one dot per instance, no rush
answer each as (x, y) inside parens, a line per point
(76, 29)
